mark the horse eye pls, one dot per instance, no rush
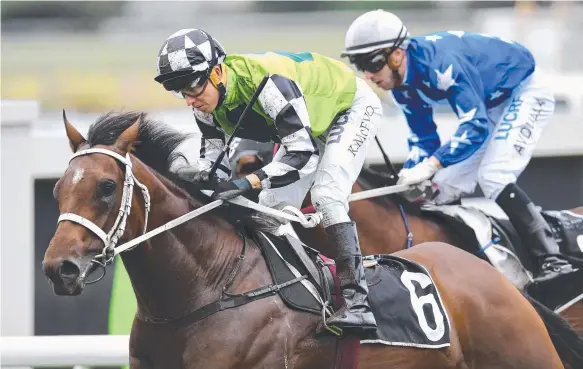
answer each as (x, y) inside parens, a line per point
(107, 188)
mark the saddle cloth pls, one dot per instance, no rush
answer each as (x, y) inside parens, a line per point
(402, 295)
(406, 304)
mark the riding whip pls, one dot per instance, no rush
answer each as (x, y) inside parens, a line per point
(393, 172)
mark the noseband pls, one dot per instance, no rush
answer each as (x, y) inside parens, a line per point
(111, 238)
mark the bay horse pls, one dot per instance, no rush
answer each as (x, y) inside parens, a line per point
(177, 272)
(381, 224)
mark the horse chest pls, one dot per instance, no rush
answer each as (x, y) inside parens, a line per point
(239, 338)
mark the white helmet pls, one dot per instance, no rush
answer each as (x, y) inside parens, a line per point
(374, 30)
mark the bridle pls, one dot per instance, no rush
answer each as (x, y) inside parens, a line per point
(111, 238)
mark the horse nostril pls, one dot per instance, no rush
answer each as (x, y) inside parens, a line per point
(69, 270)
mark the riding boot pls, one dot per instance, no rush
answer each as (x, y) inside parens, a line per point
(355, 314)
(533, 228)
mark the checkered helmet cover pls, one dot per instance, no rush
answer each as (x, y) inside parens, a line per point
(187, 57)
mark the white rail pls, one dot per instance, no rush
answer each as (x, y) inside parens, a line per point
(52, 351)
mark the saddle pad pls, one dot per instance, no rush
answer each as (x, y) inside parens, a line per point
(279, 258)
(567, 229)
(406, 305)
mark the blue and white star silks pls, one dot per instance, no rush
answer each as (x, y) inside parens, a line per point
(416, 156)
(457, 33)
(433, 38)
(467, 71)
(457, 141)
(496, 94)
(465, 116)
(444, 79)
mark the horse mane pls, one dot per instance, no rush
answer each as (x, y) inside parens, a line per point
(156, 141)
(156, 147)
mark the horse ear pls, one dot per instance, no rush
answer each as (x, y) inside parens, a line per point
(76, 139)
(129, 136)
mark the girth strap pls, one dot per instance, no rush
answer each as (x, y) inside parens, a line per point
(227, 301)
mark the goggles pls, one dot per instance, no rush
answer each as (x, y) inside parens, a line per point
(194, 90)
(372, 62)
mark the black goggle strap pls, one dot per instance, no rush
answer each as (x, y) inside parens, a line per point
(398, 42)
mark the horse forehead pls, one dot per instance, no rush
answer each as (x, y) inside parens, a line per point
(95, 161)
(86, 167)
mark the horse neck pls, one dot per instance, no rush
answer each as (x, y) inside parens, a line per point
(184, 267)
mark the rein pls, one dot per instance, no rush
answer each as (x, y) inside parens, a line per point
(227, 300)
(110, 239)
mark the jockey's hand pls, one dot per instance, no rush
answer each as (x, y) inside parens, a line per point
(419, 173)
(230, 189)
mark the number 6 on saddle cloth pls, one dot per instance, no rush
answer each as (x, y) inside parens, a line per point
(402, 295)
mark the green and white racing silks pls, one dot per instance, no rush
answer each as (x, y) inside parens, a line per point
(304, 94)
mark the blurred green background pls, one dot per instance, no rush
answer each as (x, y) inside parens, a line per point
(94, 56)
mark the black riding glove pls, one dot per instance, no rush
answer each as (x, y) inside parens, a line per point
(231, 189)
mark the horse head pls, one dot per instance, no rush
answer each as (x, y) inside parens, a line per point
(90, 195)
(117, 186)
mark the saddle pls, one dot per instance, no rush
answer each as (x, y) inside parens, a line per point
(287, 258)
(486, 228)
